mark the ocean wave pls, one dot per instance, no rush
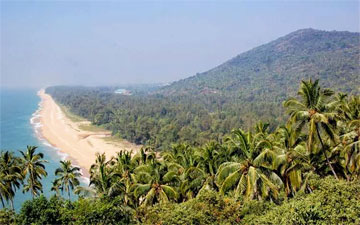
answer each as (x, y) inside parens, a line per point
(36, 124)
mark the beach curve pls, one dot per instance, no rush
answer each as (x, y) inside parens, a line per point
(67, 137)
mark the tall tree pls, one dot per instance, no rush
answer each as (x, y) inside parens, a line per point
(316, 111)
(12, 177)
(349, 129)
(34, 169)
(290, 158)
(154, 183)
(251, 172)
(67, 176)
(102, 175)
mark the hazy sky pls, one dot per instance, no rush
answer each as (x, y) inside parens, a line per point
(118, 42)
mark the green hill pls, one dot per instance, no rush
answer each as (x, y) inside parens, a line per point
(238, 93)
(273, 71)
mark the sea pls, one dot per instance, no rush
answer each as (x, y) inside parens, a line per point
(20, 126)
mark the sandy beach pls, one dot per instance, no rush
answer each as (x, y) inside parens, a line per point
(66, 135)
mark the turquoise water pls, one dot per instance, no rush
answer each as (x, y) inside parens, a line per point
(19, 126)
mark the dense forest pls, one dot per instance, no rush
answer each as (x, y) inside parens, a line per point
(238, 93)
(305, 171)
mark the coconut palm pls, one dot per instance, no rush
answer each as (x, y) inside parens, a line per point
(67, 177)
(184, 162)
(4, 189)
(34, 168)
(144, 156)
(12, 176)
(123, 166)
(317, 112)
(291, 157)
(56, 186)
(193, 181)
(154, 183)
(208, 158)
(181, 154)
(252, 172)
(102, 175)
(349, 147)
(88, 192)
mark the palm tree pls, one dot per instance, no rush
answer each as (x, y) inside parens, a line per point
(123, 166)
(4, 189)
(209, 157)
(182, 160)
(349, 123)
(317, 112)
(144, 156)
(181, 154)
(33, 166)
(290, 158)
(56, 186)
(11, 175)
(154, 183)
(68, 176)
(102, 175)
(82, 191)
(252, 172)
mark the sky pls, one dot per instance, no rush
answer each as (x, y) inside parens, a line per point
(97, 43)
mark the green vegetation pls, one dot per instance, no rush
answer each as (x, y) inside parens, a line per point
(33, 167)
(304, 172)
(15, 170)
(331, 202)
(238, 93)
(68, 177)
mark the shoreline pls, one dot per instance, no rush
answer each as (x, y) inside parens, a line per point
(69, 140)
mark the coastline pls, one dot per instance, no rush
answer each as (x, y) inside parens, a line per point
(69, 140)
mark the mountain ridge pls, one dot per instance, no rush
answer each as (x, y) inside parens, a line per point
(302, 54)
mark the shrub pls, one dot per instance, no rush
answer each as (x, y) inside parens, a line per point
(42, 211)
(7, 216)
(208, 208)
(91, 211)
(331, 202)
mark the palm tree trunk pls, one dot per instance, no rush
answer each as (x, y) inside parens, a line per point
(32, 184)
(69, 193)
(323, 148)
(2, 202)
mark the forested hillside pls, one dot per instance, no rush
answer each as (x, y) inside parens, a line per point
(272, 71)
(247, 88)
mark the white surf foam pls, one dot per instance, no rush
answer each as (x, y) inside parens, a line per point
(35, 121)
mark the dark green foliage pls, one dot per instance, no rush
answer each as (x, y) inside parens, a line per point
(83, 211)
(42, 211)
(7, 216)
(88, 211)
(208, 208)
(331, 202)
(238, 93)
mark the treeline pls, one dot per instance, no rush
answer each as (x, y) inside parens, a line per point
(159, 121)
(304, 172)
